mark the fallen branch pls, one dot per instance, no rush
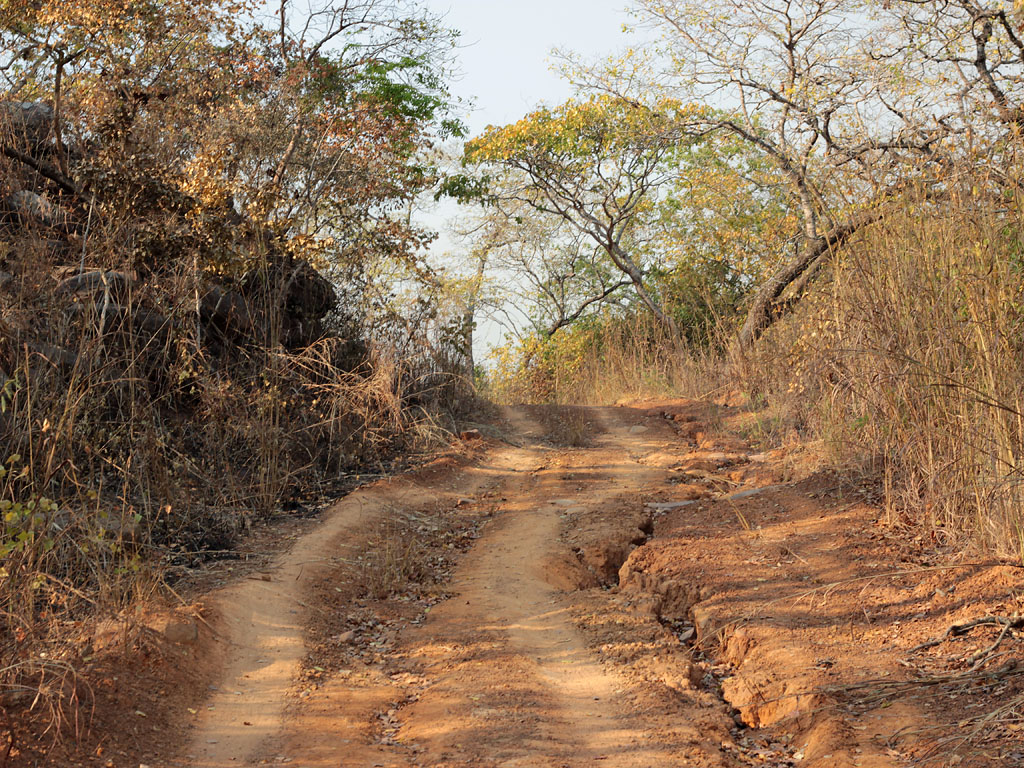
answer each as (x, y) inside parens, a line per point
(44, 170)
(957, 630)
(886, 689)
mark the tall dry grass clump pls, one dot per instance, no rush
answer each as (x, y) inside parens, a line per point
(600, 361)
(911, 355)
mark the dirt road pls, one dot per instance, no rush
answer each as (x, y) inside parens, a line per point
(539, 656)
(507, 677)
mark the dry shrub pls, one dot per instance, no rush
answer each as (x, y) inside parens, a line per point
(395, 555)
(911, 355)
(130, 453)
(573, 427)
(565, 425)
(176, 355)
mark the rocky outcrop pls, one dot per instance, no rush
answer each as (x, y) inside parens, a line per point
(28, 125)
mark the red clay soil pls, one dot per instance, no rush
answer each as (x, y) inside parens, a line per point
(804, 610)
(630, 586)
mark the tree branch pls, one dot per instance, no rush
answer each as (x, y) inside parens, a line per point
(44, 170)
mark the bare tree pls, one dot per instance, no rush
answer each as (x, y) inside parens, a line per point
(970, 52)
(598, 167)
(552, 273)
(795, 79)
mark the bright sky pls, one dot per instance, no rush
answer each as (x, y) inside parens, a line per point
(506, 61)
(506, 49)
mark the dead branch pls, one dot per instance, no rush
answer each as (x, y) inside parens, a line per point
(958, 630)
(44, 170)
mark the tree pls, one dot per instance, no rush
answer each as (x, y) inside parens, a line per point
(970, 52)
(548, 271)
(306, 133)
(717, 222)
(796, 81)
(597, 166)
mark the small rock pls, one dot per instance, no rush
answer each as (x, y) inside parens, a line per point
(669, 506)
(639, 429)
(182, 632)
(704, 621)
(470, 434)
(346, 637)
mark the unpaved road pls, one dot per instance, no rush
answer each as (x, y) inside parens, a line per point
(569, 636)
(507, 677)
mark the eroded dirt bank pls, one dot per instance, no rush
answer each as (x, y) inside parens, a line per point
(632, 586)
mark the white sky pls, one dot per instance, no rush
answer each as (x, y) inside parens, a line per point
(506, 69)
(506, 45)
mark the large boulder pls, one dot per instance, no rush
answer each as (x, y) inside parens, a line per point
(300, 294)
(308, 293)
(227, 310)
(27, 124)
(294, 285)
(30, 208)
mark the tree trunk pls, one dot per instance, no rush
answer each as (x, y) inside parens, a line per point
(469, 316)
(626, 264)
(764, 306)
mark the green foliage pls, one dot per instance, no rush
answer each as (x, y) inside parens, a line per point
(410, 88)
(466, 188)
(576, 134)
(722, 212)
(25, 524)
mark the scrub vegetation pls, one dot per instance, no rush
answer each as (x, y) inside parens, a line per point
(218, 307)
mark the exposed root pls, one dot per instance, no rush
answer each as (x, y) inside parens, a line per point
(973, 681)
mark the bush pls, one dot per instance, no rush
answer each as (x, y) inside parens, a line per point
(598, 361)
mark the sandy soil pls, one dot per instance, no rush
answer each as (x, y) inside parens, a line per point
(660, 592)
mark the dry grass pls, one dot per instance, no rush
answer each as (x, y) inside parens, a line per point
(602, 362)
(574, 427)
(906, 360)
(126, 450)
(565, 425)
(395, 554)
(911, 357)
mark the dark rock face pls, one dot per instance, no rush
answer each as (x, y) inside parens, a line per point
(302, 296)
(27, 124)
(28, 208)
